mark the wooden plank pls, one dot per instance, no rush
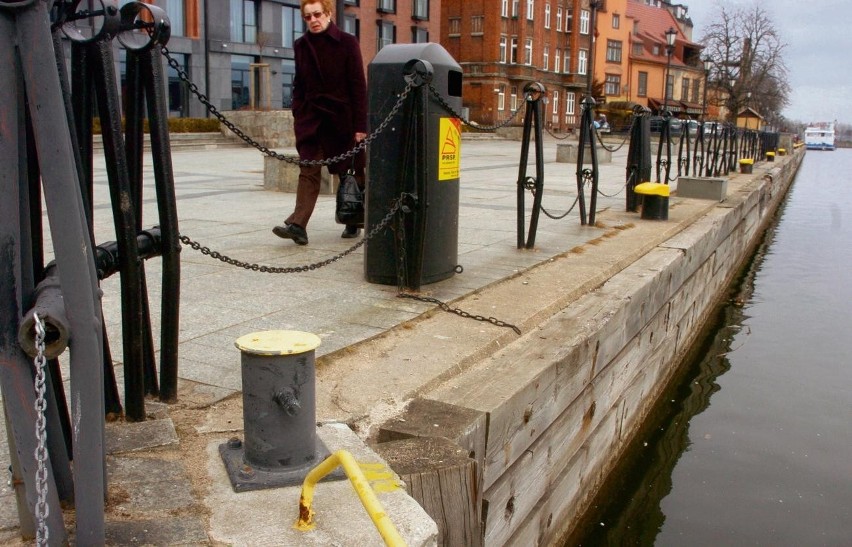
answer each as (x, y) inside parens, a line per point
(441, 477)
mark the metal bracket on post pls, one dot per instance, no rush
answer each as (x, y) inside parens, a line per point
(533, 93)
(587, 138)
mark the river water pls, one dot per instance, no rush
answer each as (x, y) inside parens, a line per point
(753, 446)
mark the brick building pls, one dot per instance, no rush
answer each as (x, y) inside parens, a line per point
(240, 52)
(502, 45)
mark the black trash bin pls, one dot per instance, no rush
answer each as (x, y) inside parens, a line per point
(436, 147)
(655, 200)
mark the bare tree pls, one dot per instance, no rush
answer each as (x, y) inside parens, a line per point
(747, 55)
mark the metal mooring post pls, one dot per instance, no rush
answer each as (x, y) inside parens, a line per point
(279, 412)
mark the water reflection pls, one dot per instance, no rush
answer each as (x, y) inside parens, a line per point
(633, 514)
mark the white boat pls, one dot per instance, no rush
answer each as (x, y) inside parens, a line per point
(820, 136)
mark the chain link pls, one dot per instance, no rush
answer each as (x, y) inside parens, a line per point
(398, 203)
(401, 204)
(184, 77)
(484, 128)
(42, 510)
(461, 313)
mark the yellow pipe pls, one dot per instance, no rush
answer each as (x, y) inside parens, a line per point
(362, 487)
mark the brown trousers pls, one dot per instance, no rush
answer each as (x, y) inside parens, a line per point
(307, 192)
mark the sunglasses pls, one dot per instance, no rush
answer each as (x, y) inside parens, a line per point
(314, 15)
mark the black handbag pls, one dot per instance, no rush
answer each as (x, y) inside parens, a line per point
(350, 201)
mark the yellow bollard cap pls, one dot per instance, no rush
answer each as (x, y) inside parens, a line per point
(652, 189)
(747, 161)
(278, 342)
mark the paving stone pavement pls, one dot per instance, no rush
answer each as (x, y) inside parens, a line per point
(222, 204)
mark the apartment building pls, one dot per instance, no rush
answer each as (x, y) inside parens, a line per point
(653, 79)
(240, 52)
(502, 45)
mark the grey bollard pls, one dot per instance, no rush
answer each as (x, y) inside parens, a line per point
(279, 412)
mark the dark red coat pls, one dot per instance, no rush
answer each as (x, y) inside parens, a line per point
(329, 95)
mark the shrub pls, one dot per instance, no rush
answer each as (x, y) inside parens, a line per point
(176, 125)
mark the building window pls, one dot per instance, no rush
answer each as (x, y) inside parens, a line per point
(612, 85)
(386, 6)
(352, 25)
(638, 48)
(616, 20)
(559, 18)
(292, 25)
(656, 50)
(582, 61)
(501, 99)
(570, 102)
(547, 15)
(504, 43)
(643, 84)
(385, 35)
(546, 58)
(569, 19)
(584, 21)
(178, 90)
(504, 8)
(513, 98)
(530, 9)
(175, 11)
(613, 51)
(419, 35)
(684, 89)
(515, 8)
(476, 25)
(556, 102)
(455, 26)
(288, 71)
(670, 87)
(528, 52)
(696, 84)
(243, 21)
(556, 58)
(421, 10)
(351, 2)
(240, 77)
(566, 63)
(514, 50)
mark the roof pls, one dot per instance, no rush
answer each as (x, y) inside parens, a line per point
(653, 22)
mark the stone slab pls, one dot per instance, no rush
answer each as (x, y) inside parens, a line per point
(283, 176)
(703, 188)
(567, 153)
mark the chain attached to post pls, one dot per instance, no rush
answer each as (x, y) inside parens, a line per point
(42, 509)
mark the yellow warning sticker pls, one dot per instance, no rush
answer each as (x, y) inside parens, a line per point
(449, 146)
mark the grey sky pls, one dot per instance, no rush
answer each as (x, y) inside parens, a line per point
(818, 34)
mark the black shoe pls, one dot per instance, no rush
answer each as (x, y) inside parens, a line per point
(292, 231)
(350, 231)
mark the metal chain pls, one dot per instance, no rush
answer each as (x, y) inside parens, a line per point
(398, 203)
(554, 216)
(558, 137)
(461, 313)
(397, 206)
(626, 137)
(485, 128)
(42, 509)
(184, 77)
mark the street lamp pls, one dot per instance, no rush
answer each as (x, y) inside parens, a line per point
(708, 64)
(733, 81)
(748, 105)
(671, 34)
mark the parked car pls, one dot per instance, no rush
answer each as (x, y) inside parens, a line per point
(675, 125)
